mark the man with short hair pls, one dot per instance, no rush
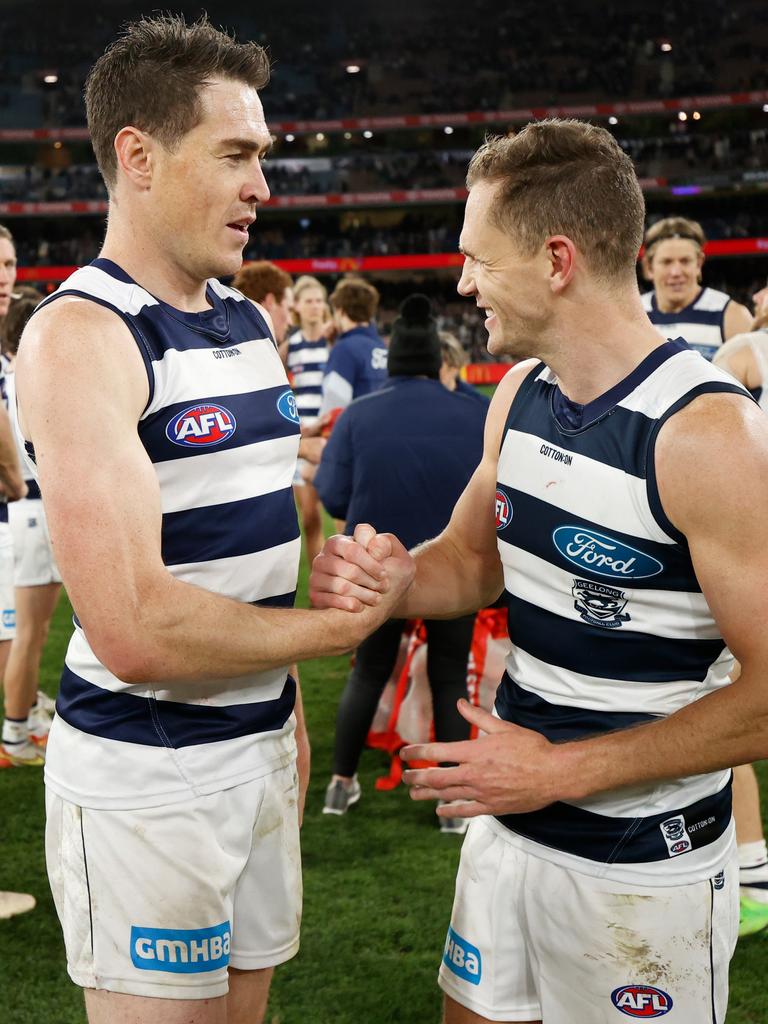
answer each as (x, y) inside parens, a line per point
(157, 409)
(620, 509)
(357, 362)
(272, 288)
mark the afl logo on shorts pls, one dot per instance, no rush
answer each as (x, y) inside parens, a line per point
(201, 426)
(286, 406)
(641, 1001)
(503, 510)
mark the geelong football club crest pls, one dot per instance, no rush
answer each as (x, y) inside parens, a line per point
(600, 605)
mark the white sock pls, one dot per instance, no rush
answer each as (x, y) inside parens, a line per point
(753, 855)
(15, 732)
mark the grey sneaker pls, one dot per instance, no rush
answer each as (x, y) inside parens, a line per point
(452, 826)
(339, 796)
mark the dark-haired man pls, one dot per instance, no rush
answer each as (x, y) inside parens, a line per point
(620, 508)
(165, 435)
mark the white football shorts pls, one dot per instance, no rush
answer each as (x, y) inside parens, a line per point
(159, 901)
(531, 940)
(34, 564)
(7, 598)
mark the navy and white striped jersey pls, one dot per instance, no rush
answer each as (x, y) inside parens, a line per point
(306, 363)
(222, 433)
(702, 323)
(609, 625)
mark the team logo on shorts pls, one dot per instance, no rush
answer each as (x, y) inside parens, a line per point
(719, 880)
(641, 1001)
(181, 950)
(676, 836)
(603, 555)
(462, 958)
(600, 605)
(286, 406)
(503, 509)
(201, 426)
(9, 618)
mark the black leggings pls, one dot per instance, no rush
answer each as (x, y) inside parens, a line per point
(448, 644)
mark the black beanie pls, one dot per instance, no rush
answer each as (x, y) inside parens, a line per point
(414, 348)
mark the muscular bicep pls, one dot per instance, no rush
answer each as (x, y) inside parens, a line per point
(81, 388)
(712, 469)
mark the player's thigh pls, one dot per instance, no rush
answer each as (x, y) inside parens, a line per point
(145, 897)
(600, 946)
(307, 498)
(113, 1008)
(455, 1013)
(486, 969)
(268, 896)
(35, 606)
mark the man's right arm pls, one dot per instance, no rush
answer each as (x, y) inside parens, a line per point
(459, 571)
(81, 389)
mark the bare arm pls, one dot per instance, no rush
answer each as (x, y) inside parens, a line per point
(81, 389)
(740, 362)
(11, 477)
(717, 441)
(737, 320)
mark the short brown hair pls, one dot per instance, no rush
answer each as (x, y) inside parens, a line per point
(356, 298)
(452, 351)
(674, 227)
(16, 320)
(5, 233)
(566, 177)
(152, 76)
(258, 280)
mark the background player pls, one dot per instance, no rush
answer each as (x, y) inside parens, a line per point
(171, 760)
(614, 540)
(678, 305)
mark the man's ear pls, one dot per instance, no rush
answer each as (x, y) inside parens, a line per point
(134, 151)
(561, 253)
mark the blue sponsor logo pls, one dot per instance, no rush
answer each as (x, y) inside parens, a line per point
(286, 406)
(603, 555)
(462, 958)
(181, 950)
(9, 618)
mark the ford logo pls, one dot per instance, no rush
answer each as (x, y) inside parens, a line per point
(603, 555)
(286, 406)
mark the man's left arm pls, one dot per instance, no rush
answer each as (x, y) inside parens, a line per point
(737, 320)
(712, 473)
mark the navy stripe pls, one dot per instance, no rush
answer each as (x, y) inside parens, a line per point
(620, 443)
(534, 522)
(708, 317)
(307, 389)
(558, 722)
(230, 529)
(3, 511)
(163, 723)
(713, 387)
(609, 840)
(33, 490)
(608, 654)
(256, 414)
(278, 601)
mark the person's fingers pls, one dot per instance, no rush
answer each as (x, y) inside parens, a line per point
(480, 717)
(332, 584)
(463, 750)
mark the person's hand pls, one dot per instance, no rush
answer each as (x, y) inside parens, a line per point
(366, 571)
(510, 770)
(311, 448)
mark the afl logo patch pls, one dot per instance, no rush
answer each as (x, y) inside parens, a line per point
(641, 1001)
(503, 510)
(286, 406)
(201, 426)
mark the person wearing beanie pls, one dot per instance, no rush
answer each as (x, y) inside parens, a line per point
(399, 458)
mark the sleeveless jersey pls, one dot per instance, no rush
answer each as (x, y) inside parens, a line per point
(701, 323)
(306, 363)
(222, 433)
(609, 625)
(757, 341)
(33, 488)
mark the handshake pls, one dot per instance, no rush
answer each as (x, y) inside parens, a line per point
(368, 573)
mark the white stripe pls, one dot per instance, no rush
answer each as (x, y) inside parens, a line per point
(563, 687)
(316, 356)
(671, 381)
(127, 297)
(196, 374)
(224, 292)
(646, 801)
(613, 498)
(253, 577)
(677, 615)
(704, 335)
(214, 478)
(308, 401)
(712, 300)
(308, 379)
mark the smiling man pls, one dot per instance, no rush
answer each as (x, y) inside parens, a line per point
(165, 434)
(620, 510)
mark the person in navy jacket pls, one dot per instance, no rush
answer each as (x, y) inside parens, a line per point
(399, 458)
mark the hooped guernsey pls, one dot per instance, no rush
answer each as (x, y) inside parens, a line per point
(222, 433)
(609, 626)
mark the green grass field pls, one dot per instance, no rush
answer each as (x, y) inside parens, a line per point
(378, 891)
